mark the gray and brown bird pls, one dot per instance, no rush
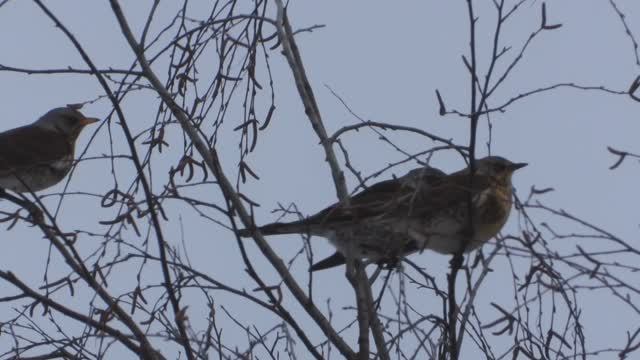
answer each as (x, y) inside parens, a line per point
(39, 155)
(425, 209)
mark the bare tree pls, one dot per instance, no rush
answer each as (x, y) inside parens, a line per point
(123, 284)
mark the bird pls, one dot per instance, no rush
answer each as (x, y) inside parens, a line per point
(424, 209)
(39, 155)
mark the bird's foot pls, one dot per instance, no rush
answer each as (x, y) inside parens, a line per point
(456, 261)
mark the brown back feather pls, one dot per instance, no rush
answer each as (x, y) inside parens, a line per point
(28, 146)
(392, 198)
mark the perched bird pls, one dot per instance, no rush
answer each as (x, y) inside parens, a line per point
(39, 155)
(425, 209)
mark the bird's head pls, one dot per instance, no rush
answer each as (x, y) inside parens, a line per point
(66, 120)
(497, 167)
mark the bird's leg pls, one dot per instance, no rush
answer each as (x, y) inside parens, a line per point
(456, 260)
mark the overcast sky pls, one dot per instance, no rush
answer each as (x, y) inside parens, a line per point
(385, 59)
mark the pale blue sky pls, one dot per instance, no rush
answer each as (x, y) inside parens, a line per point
(385, 60)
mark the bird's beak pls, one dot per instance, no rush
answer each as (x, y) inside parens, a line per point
(517, 166)
(87, 121)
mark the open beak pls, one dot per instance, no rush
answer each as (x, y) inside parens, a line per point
(517, 166)
(87, 121)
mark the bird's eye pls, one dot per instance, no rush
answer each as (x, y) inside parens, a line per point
(499, 167)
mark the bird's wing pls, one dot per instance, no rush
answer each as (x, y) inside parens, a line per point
(386, 198)
(451, 192)
(28, 146)
(362, 205)
(380, 199)
(334, 260)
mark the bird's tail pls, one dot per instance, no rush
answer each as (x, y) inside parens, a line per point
(276, 228)
(334, 260)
